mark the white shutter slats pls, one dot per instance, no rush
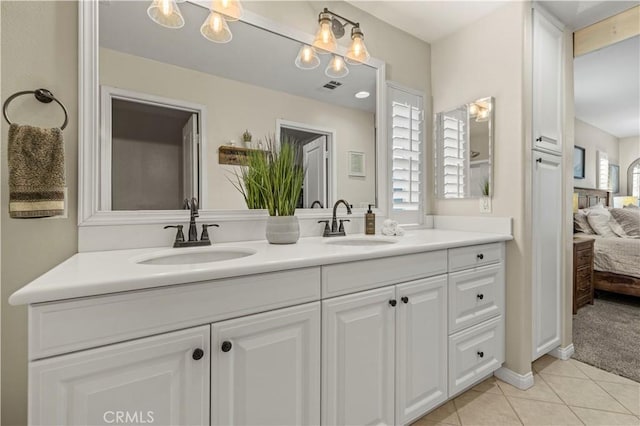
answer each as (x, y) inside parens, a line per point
(406, 138)
(454, 156)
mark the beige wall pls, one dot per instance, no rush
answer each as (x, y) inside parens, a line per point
(629, 152)
(39, 49)
(593, 139)
(233, 106)
(486, 59)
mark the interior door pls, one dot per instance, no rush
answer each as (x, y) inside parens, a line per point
(315, 178)
(156, 380)
(266, 368)
(190, 161)
(421, 347)
(547, 253)
(358, 359)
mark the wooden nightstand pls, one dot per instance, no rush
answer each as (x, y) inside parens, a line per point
(582, 272)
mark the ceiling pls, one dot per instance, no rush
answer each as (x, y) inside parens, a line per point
(607, 88)
(254, 56)
(428, 20)
(580, 14)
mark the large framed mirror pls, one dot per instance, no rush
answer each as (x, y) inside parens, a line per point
(463, 150)
(164, 114)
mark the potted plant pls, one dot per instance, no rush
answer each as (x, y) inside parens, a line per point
(246, 138)
(272, 180)
(485, 200)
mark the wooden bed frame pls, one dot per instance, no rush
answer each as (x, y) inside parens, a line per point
(607, 281)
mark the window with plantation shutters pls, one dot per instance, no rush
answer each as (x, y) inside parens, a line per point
(454, 153)
(406, 133)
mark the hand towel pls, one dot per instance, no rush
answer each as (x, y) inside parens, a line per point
(36, 172)
(391, 228)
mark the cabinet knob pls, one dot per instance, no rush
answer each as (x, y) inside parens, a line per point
(404, 299)
(538, 160)
(480, 296)
(480, 256)
(393, 302)
(197, 354)
(539, 139)
(481, 354)
(226, 346)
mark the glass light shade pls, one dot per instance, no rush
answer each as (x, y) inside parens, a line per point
(473, 109)
(216, 29)
(357, 53)
(166, 13)
(483, 115)
(231, 9)
(336, 68)
(307, 58)
(325, 41)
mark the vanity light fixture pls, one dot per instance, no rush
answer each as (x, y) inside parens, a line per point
(336, 68)
(480, 110)
(231, 9)
(307, 58)
(216, 29)
(362, 95)
(331, 28)
(166, 13)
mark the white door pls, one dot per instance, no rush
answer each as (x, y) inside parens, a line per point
(547, 253)
(315, 178)
(358, 358)
(547, 84)
(266, 368)
(421, 347)
(157, 380)
(190, 158)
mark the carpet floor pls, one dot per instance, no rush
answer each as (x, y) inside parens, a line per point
(607, 334)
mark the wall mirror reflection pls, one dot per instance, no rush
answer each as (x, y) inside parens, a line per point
(464, 150)
(181, 97)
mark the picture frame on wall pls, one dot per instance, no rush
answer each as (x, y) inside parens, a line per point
(578, 162)
(356, 164)
(614, 178)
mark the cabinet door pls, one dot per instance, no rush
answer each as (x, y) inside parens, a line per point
(421, 347)
(156, 380)
(547, 253)
(547, 84)
(358, 358)
(266, 368)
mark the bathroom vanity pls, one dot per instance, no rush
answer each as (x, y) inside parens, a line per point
(361, 330)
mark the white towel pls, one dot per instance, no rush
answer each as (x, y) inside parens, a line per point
(391, 228)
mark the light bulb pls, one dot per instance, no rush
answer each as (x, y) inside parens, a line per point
(336, 68)
(216, 29)
(473, 109)
(307, 58)
(231, 9)
(357, 53)
(325, 41)
(166, 13)
(483, 115)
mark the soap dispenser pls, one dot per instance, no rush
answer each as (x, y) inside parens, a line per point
(370, 222)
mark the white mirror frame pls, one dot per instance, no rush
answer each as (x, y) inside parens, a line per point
(89, 161)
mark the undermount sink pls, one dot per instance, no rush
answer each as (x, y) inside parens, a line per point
(361, 241)
(195, 256)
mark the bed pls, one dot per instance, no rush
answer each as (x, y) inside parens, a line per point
(616, 260)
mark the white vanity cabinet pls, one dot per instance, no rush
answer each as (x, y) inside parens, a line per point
(157, 380)
(385, 353)
(265, 368)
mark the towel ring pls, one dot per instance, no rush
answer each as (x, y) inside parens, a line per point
(42, 95)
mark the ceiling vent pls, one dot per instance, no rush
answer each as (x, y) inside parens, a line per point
(332, 85)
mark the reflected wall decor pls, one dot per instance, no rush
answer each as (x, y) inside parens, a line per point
(578, 162)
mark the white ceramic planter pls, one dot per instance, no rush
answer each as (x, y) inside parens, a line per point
(283, 229)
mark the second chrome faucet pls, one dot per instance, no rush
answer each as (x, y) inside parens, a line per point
(192, 206)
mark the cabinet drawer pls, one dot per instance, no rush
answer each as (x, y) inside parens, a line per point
(472, 256)
(583, 257)
(61, 327)
(475, 295)
(583, 278)
(475, 353)
(351, 277)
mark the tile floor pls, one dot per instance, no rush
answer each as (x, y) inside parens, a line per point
(564, 393)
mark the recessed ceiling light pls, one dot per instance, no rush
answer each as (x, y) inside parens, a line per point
(362, 95)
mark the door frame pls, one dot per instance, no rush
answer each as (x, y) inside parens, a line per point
(332, 184)
(107, 95)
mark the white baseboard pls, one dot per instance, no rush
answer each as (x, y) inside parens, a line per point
(521, 381)
(563, 353)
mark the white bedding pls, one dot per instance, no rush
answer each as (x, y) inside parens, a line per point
(617, 255)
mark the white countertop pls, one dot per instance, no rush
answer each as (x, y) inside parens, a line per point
(105, 272)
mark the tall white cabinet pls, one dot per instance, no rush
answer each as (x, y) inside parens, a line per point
(547, 184)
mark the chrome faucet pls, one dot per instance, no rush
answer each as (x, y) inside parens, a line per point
(318, 203)
(336, 230)
(192, 206)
